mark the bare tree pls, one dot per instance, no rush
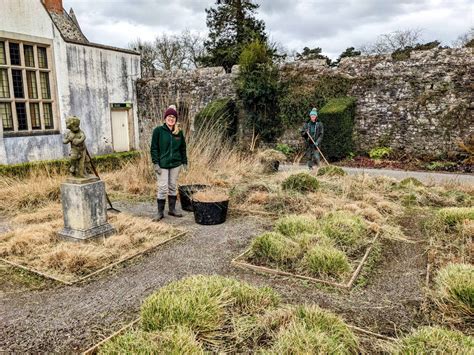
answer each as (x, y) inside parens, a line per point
(148, 55)
(393, 41)
(170, 52)
(464, 40)
(194, 47)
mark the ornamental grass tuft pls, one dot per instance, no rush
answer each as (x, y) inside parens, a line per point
(454, 289)
(434, 340)
(301, 182)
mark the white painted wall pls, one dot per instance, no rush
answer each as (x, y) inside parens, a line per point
(88, 80)
(26, 17)
(97, 78)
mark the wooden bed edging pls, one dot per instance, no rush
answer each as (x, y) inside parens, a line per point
(93, 350)
(105, 268)
(236, 262)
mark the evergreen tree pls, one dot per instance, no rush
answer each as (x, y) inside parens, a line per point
(258, 89)
(231, 26)
(349, 52)
(310, 54)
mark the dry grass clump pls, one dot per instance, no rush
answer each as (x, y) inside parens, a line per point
(220, 315)
(273, 247)
(453, 216)
(48, 213)
(305, 245)
(434, 340)
(314, 331)
(283, 203)
(331, 170)
(216, 160)
(301, 182)
(206, 305)
(211, 195)
(411, 181)
(36, 245)
(454, 290)
(326, 260)
(294, 225)
(346, 230)
(136, 178)
(176, 340)
(268, 155)
(28, 194)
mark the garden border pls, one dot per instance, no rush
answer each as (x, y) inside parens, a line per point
(94, 273)
(93, 349)
(244, 265)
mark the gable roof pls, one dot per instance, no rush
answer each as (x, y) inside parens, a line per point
(71, 32)
(69, 28)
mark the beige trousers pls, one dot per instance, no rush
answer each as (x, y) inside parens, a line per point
(166, 182)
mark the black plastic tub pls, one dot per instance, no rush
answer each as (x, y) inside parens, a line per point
(210, 213)
(186, 195)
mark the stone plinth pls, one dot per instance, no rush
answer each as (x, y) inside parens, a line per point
(84, 209)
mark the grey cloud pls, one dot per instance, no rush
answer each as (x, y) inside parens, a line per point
(333, 25)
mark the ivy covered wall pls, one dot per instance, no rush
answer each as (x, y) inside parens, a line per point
(421, 106)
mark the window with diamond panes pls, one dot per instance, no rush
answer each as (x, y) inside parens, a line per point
(26, 97)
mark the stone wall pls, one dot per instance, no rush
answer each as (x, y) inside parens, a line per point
(420, 106)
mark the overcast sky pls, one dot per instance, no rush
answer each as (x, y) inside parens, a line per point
(332, 25)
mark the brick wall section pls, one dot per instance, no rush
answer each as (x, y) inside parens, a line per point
(54, 5)
(421, 106)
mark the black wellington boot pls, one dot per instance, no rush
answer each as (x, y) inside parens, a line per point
(161, 210)
(172, 207)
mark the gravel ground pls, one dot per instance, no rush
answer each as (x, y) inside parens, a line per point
(426, 177)
(70, 319)
(65, 319)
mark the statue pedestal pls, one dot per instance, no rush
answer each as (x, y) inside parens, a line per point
(84, 209)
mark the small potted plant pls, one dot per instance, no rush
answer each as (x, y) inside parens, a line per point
(271, 159)
(210, 206)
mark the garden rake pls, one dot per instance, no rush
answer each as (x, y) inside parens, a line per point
(319, 150)
(111, 208)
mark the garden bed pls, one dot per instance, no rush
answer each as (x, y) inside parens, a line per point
(331, 250)
(33, 245)
(216, 314)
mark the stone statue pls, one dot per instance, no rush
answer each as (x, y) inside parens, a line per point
(77, 138)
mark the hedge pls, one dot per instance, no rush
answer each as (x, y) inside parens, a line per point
(103, 163)
(337, 117)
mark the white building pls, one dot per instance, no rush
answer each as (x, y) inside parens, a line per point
(49, 71)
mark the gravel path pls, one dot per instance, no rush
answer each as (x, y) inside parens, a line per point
(426, 177)
(71, 319)
(66, 319)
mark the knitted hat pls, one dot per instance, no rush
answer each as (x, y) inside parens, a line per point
(313, 112)
(171, 111)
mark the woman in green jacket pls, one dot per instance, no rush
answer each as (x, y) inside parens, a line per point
(168, 153)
